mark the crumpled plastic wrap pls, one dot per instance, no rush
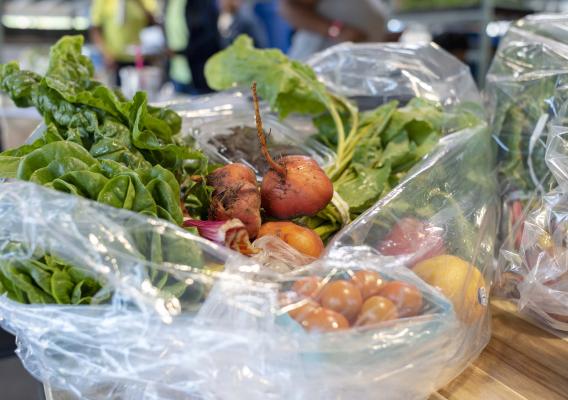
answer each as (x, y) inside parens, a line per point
(186, 319)
(533, 270)
(528, 101)
(525, 90)
(448, 204)
(373, 74)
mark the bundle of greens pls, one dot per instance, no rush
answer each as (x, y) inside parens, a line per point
(375, 149)
(47, 280)
(515, 121)
(98, 145)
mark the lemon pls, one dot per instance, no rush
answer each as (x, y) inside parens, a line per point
(461, 282)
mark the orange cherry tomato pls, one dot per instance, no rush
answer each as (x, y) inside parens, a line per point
(307, 286)
(406, 297)
(303, 309)
(343, 297)
(324, 320)
(376, 309)
(368, 282)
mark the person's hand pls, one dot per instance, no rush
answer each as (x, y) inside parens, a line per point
(349, 34)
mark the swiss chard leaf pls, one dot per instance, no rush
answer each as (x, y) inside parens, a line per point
(289, 86)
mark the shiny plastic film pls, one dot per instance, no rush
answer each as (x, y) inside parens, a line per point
(441, 219)
(131, 307)
(166, 324)
(533, 264)
(525, 91)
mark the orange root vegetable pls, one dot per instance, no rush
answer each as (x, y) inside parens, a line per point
(295, 186)
(305, 240)
(235, 195)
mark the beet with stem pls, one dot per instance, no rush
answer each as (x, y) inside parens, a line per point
(295, 186)
(235, 195)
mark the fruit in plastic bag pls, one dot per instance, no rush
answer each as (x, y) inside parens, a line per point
(458, 280)
(368, 282)
(412, 236)
(405, 296)
(324, 320)
(376, 309)
(343, 297)
(305, 240)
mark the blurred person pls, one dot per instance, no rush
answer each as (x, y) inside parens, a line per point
(116, 27)
(278, 31)
(323, 23)
(192, 37)
(237, 17)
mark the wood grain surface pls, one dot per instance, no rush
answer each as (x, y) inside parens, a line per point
(521, 362)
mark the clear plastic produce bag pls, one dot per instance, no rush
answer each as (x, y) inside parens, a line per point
(395, 308)
(167, 325)
(441, 219)
(525, 90)
(533, 265)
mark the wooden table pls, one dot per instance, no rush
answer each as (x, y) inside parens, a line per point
(521, 362)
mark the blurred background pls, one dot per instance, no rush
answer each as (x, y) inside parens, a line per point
(161, 46)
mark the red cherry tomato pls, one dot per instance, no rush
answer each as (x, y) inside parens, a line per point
(411, 236)
(324, 320)
(303, 309)
(307, 286)
(343, 297)
(406, 297)
(376, 309)
(368, 282)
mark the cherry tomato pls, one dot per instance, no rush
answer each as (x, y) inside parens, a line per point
(324, 320)
(303, 309)
(411, 236)
(368, 282)
(343, 297)
(376, 309)
(406, 297)
(307, 286)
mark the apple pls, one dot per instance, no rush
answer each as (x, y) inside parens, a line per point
(410, 236)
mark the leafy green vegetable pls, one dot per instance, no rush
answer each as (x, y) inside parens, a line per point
(289, 86)
(46, 281)
(99, 145)
(387, 143)
(82, 110)
(380, 146)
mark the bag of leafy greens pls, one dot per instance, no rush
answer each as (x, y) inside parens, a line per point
(440, 219)
(126, 306)
(525, 90)
(533, 272)
(108, 303)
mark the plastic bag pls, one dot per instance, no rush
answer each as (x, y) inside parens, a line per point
(205, 323)
(149, 343)
(446, 205)
(525, 90)
(533, 264)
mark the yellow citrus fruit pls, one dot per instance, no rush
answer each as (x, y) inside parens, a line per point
(459, 281)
